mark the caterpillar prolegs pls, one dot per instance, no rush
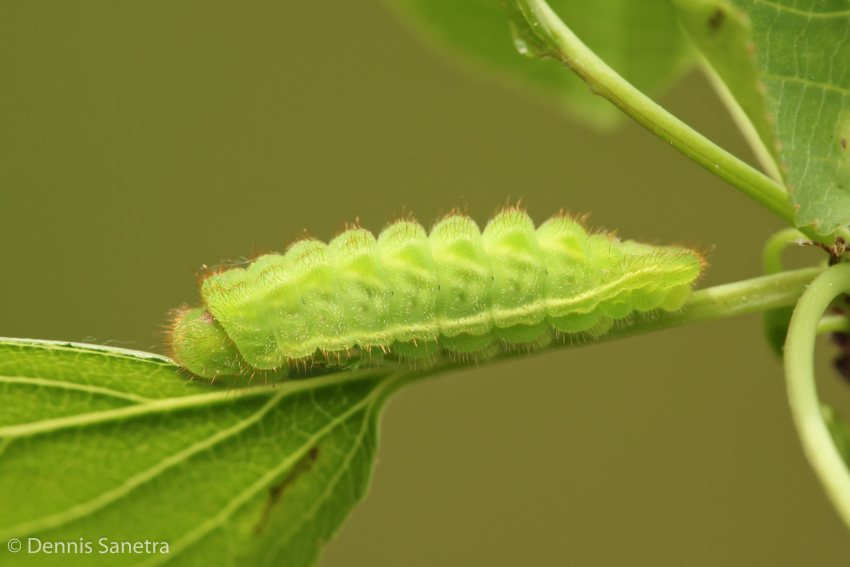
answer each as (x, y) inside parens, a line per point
(415, 295)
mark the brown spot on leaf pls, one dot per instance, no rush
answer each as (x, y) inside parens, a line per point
(716, 19)
(843, 142)
(276, 491)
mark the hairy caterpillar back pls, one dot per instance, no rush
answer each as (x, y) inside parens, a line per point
(414, 294)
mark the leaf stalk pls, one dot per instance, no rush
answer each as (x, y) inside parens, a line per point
(818, 444)
(604, 81)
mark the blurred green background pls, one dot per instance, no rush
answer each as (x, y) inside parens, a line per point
(139, 141)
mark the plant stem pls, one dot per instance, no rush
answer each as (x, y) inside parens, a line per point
(729, 300)
(834, 324)
(802, 392)
(745, 125)
(719, 302)
(775, 245)
(604, 81)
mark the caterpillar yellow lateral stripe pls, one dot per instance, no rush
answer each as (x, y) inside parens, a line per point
(415, 295)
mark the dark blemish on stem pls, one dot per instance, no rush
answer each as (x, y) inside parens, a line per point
(716, 19)
(843, 142)
(836, 251)
(276, 491)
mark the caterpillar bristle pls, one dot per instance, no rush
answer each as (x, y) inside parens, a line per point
(404, 216)
(302, 236)
(457, 211)
(508, 207)
(205, 272)
(258, 251)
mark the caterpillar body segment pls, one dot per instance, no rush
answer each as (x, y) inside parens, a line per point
(415, 294)
(201, 345)
(405, 252)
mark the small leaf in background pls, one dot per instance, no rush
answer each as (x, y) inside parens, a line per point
(722, 32)
(106, 443)
(640, 40)
(775, 323)
(839, 430)
(802, 54)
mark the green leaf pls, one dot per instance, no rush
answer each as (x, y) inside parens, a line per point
(640, 40)
(775, 325)
(107, 443)
(802, 55)
(838, 430)
(723, 34)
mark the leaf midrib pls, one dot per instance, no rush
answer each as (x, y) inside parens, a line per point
(172, 404)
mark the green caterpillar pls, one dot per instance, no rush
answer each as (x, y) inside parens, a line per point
(417, 295)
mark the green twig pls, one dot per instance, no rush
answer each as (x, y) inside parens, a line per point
(776, 244)
(719, 302)
(745, 125)
(802, 392)
(775, 321)
(729, 300)
(834, 324)
(605, 82)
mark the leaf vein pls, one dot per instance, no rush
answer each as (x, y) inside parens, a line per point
(807, 13)
(106, 498)
(806, 82)
(42, 382)
(242, 498)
